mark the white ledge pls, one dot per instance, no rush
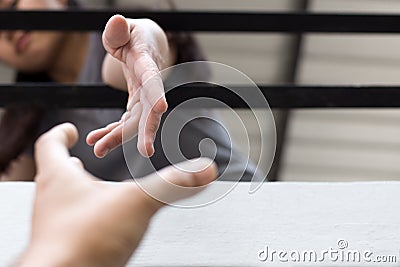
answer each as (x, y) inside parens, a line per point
(232, 232)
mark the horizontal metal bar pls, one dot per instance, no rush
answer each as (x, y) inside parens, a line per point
(94, 20)
(278, 96)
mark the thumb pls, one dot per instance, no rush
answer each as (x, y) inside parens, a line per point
(51, 149)
(116, 34)
(177, 182)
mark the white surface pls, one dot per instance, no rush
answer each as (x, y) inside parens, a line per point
(231, 232)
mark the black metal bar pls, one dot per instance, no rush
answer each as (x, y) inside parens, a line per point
(279, 96)
(92, 20)
(62, 96)
(283, 116)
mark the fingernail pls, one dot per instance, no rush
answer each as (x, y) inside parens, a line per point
(105, 152)
(151, 151)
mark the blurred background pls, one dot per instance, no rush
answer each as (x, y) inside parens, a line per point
(314, 145)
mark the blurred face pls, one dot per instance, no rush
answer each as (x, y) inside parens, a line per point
(32, 51)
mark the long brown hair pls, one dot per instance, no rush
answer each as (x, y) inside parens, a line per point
(19, 124)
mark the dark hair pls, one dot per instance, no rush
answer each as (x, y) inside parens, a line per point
(19, 124)
(18, 127)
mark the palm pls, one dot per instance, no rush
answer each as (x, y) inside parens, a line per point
(137, 50)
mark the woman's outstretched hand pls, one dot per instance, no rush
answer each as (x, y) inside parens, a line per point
(141, 47)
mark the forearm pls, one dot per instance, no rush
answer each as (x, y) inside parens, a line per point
(36, 255)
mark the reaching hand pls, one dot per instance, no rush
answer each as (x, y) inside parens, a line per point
(141, 46)
(80, 221)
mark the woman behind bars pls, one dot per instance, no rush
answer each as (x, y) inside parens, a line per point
(137, 50)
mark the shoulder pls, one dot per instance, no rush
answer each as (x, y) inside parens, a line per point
(91, 71)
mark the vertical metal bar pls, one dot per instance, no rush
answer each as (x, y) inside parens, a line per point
(284, 115)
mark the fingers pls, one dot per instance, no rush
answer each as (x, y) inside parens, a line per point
(151, 81)
(177, 182)
(51, 149)
(116, 35)
(109, 142)
(154, 103)
(148, 126)
(107, 139)
(96, 135)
